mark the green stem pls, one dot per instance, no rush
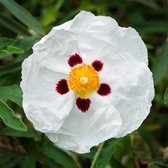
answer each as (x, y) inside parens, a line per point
(97, 155)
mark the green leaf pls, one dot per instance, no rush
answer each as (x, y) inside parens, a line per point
(166, 96)
(52, 164)
(58, 155)
(12, 93)
(116, 163)
(161, 65)
(12, 50)
(13, 25)
(148, 137)
(153, 166)
(18, 46)
(9, 118)
(69, 16)
(9, 159)
(4, 55)
(5, 41)
(9, 69)
(25, 43)
(23, 15)
(29, 162)
(160, 162)
(155, 26)
(30, 133)
(50, 14)
(151, 4)
(105, 153)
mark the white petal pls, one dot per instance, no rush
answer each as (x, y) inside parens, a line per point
(132, 93)
(100, 37)
(55, 31)
(42, 104)
(54, 51)
(81, 131)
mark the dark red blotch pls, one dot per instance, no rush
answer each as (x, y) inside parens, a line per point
(74, 60)
(83, 104)
(62, 87)
(98, 65)
(104, 89)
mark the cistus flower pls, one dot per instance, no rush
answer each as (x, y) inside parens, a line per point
(87, 81)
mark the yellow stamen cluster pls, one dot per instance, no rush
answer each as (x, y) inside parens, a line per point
(83, 80)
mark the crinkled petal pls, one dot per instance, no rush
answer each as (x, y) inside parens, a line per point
(52, 33)
(54, 51)
(132, 93)
(101, 37)
(81, 131)
(43, 106)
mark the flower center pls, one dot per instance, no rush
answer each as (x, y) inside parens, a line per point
(83, 80)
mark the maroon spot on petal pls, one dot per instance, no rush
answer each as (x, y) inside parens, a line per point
(83, 104)
(104, 89)
(62, 87)
(74, 60)
(98, 65)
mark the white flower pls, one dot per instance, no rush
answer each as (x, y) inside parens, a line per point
(87, 81)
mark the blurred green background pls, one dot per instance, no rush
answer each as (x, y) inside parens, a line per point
(24, 22)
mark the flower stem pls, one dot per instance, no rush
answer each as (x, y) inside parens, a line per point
(97, 155)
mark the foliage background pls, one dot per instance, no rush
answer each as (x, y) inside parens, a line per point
(22, 23)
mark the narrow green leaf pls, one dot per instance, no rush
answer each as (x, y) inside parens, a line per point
(166, 96)
(9, 118)
(161, 65)
(30, 133)
(50, 14)
(9, 159)
(12, 93)
(153, 166)
(58, 155)
(29, 162)
(18, 46)
(5, 41)
(52, 164)
(23, 15)
(155, 26)
(4, 55)
(160, 162)
(105, 153)
(69, 16)
(148, 137)
(13, 25)
(25, 43)
(151, 4)
(115, 163)
(12, 50)
(9, 69)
